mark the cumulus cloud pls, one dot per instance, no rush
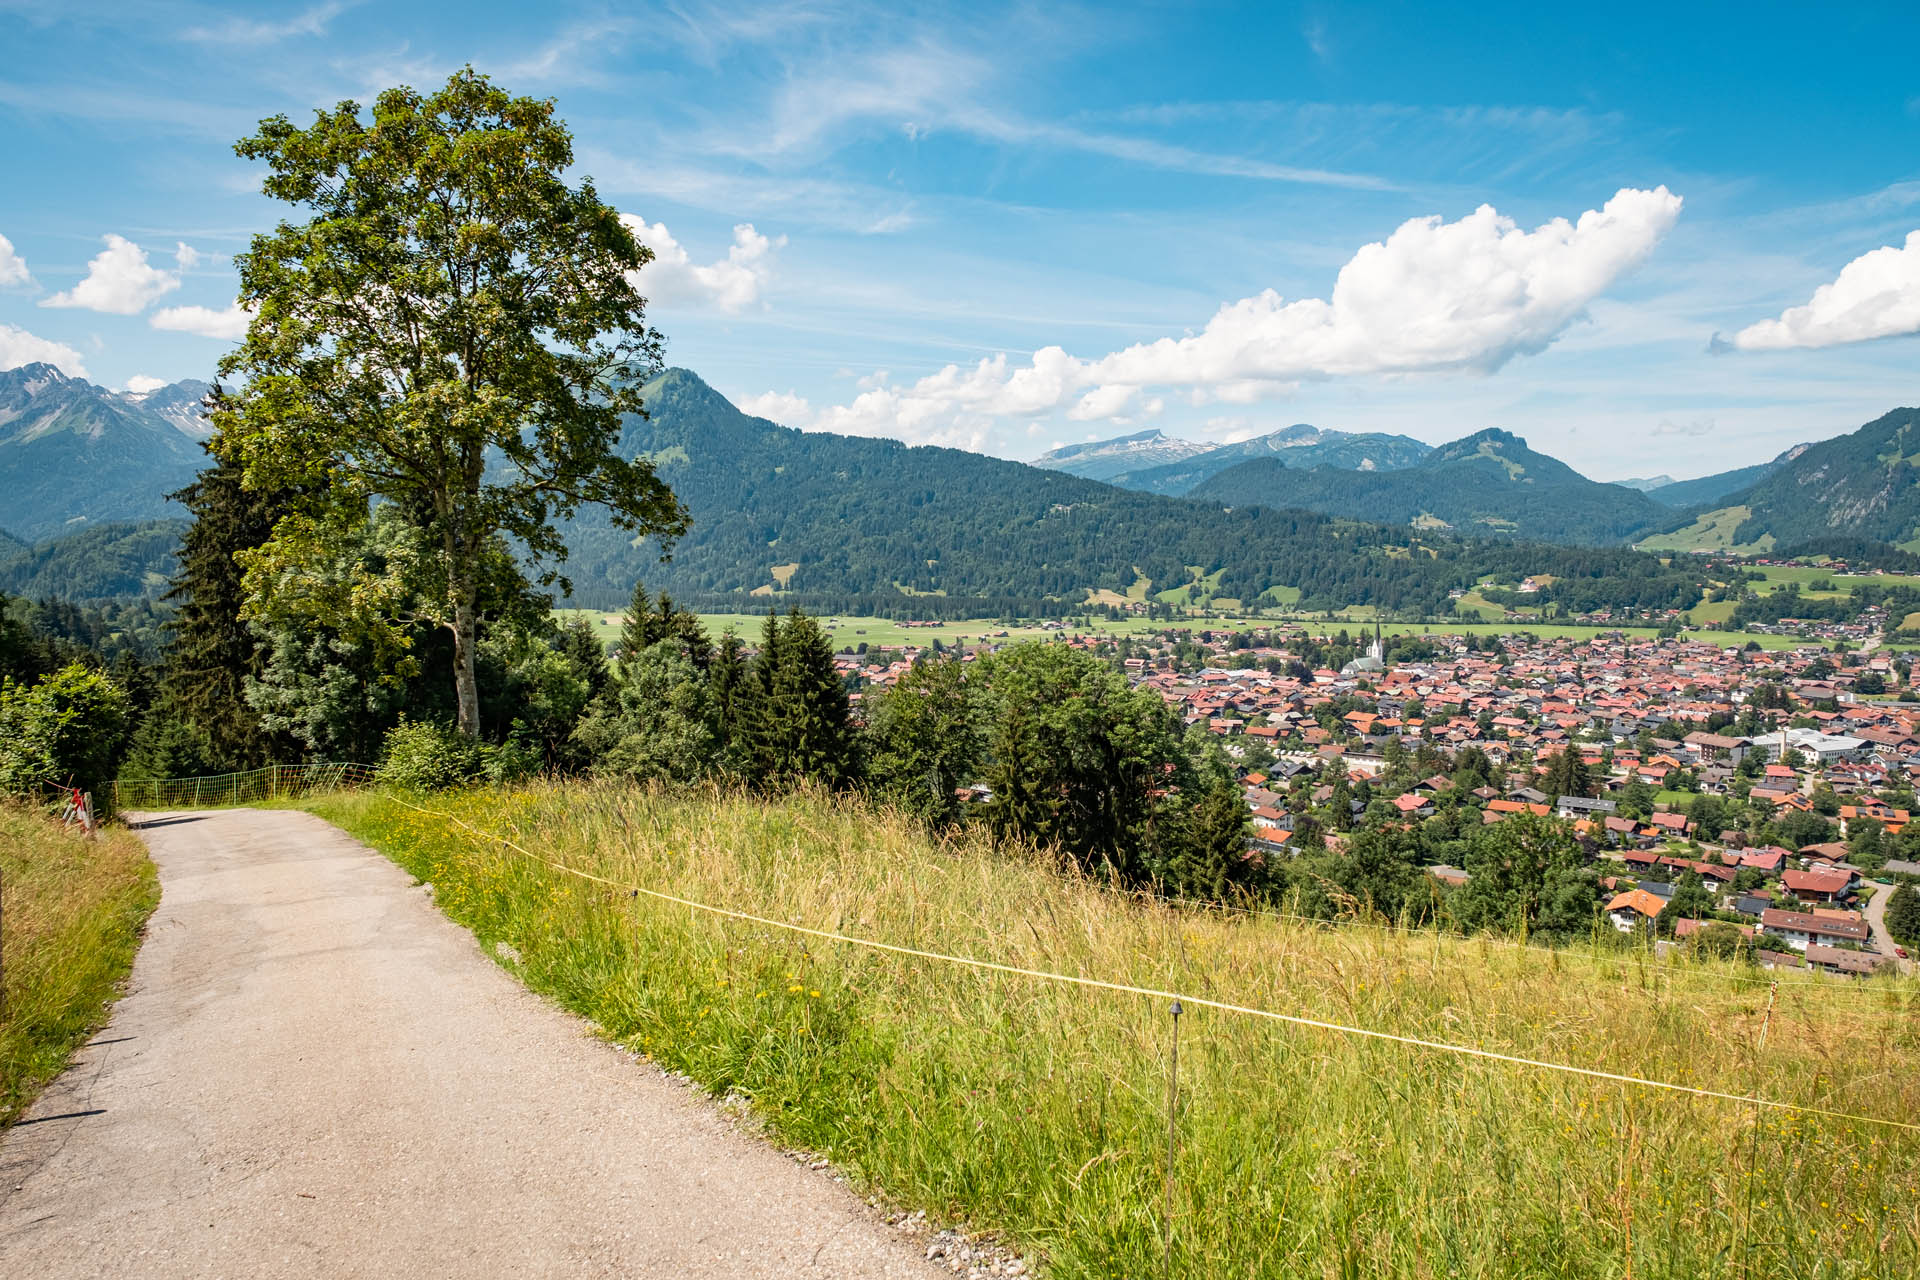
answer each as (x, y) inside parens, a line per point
(13, 267)
(1877, 295)
(18, 347)
(141, 384)
(1435, 296)
(119, 281)
(230, 324)
(783, 407)
(673, 278)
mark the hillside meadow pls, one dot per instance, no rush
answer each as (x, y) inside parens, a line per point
(1037, 1111)
(71, 911)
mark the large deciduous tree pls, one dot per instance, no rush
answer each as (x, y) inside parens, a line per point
(454, 329)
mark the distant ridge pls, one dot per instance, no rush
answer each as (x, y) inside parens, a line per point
(1299, 445)
(1104, 459)
(1489, 483)
(74, 453)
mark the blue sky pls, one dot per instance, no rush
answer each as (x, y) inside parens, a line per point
(855, 206)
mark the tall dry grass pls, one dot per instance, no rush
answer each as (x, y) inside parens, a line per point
(71, 911)
(1038, 1110)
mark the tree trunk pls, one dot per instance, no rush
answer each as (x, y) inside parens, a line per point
(466, 690)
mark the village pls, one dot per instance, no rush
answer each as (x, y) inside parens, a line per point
(1766, 792)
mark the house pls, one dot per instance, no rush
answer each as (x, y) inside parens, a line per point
(1581, 807)
(1854, 964)
(1629, 909)
(1704, 747)
(1820, 886)
(1800, 930)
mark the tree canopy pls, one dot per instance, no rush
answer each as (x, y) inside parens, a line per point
(453, 330)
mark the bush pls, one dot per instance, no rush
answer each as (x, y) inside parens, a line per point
(69, 729)
(423, 756)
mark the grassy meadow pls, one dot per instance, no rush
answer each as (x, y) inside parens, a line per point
(848, 632)
(1037, 1111)
(71, 911)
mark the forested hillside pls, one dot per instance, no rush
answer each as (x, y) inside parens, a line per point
(98, 562)
(1488, 483)
(827, 517)
(1710, 490)
(1861, 485)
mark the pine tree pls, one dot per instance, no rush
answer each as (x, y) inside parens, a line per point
(213, 653)
(638, 629)
(1210, 854)
(732, 694)
(1567, 774)
(1903, 914)
(807, 715)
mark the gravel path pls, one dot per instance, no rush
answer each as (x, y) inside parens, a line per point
(316, 1074)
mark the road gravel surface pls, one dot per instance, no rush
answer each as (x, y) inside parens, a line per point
(315, 1073)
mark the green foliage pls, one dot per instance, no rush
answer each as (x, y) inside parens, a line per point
(422, 756)
(1209, 846)
(927, 735)
(1075, 755)
(98, 562)
(801, 724)
(213, 654)
(453, 331)
(1721, 940)
(1567, 774)
(1903, 915)
(1527, 876)
(656, 722)
(68, 729)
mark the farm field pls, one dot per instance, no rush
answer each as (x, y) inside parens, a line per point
(848, 632)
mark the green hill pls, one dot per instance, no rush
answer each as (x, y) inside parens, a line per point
(1487, 483)
(1861, 485)
(96, 562)
(855, 524)
(1298, 446)
(1708, 491)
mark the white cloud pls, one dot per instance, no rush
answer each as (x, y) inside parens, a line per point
(141, 384)
(674, 279)
(1877, 295)
(13, 267)
(119, 280)
(783, 407)
(230, 324)
(1433, 297)
(18, 347)
(187, 257)
(247, 31)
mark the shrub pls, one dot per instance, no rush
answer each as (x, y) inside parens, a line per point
(424, 756)
(68, 729)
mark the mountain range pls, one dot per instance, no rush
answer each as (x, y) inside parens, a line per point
(73, 453)
(1487, 483)
(1324, 515)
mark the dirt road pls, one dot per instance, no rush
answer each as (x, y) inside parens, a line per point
(316, 1074)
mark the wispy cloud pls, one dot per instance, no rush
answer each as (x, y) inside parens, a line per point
(238, 30)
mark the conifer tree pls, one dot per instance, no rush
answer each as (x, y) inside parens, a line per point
(805, 719)
(638, 628)
(213, 652)
(1210, 853)
(732, 700)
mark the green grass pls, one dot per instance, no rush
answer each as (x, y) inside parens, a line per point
(1036, 1110)
(71, 911)
(847, 631)
(1713, 531)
